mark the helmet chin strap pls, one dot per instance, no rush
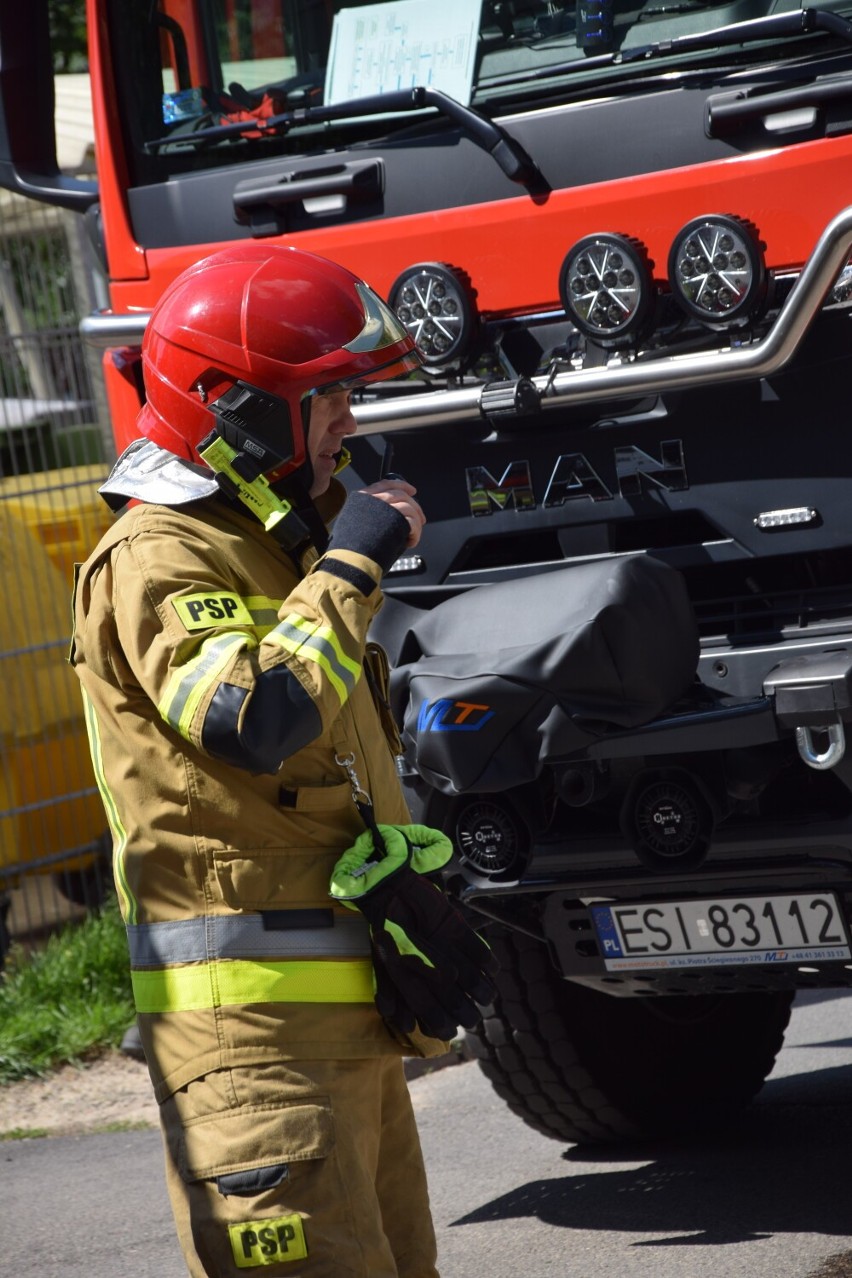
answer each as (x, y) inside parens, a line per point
(250, 441)
(273, 510)
(253, 436)
(293, 491)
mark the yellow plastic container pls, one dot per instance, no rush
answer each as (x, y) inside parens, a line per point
(48, 801)
(46, 806)
(62, 508)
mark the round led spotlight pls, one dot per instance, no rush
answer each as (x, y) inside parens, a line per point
(435, 304)
(606, 287)
(717, 271)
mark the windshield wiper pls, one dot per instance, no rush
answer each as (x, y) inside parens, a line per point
(800, 22)
(776, 26)
(505, 151)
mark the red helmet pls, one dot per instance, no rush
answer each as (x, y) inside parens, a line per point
(268, 318)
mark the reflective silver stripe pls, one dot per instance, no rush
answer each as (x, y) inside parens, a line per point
(189, 682)
(235, 936)
(318, 644)
(263, 617)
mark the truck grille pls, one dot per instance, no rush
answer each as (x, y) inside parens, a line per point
(772, 597)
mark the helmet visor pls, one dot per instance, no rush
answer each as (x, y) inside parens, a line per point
(382, 349)
(381, 326)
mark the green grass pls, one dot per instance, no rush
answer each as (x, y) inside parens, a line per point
(124, 1125)
(69, 1001)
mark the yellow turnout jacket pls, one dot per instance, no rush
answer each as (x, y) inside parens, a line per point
(196, 638)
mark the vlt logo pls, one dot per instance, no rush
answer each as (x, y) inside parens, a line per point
(445, 715)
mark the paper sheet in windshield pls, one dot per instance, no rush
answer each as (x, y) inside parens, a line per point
(379, 48)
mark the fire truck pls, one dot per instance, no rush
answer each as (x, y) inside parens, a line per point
(619, 233)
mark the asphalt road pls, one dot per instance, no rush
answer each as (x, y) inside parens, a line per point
(770, 1200)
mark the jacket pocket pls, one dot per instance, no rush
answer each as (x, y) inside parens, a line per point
(265, 1184)
(315, 822)
(247, 1139)
(292, 878)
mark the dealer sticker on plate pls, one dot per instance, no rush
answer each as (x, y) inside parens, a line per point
(798, 928)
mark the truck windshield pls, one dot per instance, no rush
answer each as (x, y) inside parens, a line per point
(207, 82)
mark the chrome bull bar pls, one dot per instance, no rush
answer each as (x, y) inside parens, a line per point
(629, 379)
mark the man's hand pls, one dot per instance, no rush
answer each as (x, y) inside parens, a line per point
(399, 493)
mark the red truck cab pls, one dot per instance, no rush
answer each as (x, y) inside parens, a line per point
(619, 231)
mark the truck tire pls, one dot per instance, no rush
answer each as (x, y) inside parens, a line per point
(591, 1068)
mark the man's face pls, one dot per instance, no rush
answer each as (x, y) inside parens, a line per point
(331, 421)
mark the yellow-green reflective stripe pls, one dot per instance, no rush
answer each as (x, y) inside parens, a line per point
(320, 644)
(258, 611)
(322, 637)
(128, 902)
(264, 612)
(233, 983)
(188, 684)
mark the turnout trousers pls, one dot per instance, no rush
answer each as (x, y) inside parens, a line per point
(307, 1168)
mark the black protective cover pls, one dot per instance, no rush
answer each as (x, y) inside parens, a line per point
(492, 683)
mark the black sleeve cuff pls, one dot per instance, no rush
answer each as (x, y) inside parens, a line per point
(372, 528)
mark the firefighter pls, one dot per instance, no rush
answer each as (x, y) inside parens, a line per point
(288, 941)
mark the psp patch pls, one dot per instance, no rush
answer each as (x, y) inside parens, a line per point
(206, 611)
(268, 1242)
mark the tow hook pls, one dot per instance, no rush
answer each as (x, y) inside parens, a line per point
(813, 694)
(833, 753)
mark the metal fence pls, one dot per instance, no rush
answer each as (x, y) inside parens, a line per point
(55, 448)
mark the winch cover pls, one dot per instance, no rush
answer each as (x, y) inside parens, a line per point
(492, 683)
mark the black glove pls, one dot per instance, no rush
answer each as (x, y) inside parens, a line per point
(431, 967)
(370, 527)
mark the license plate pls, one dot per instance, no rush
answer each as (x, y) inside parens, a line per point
(797, 928)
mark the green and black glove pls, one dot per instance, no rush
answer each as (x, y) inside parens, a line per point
(431, 967)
